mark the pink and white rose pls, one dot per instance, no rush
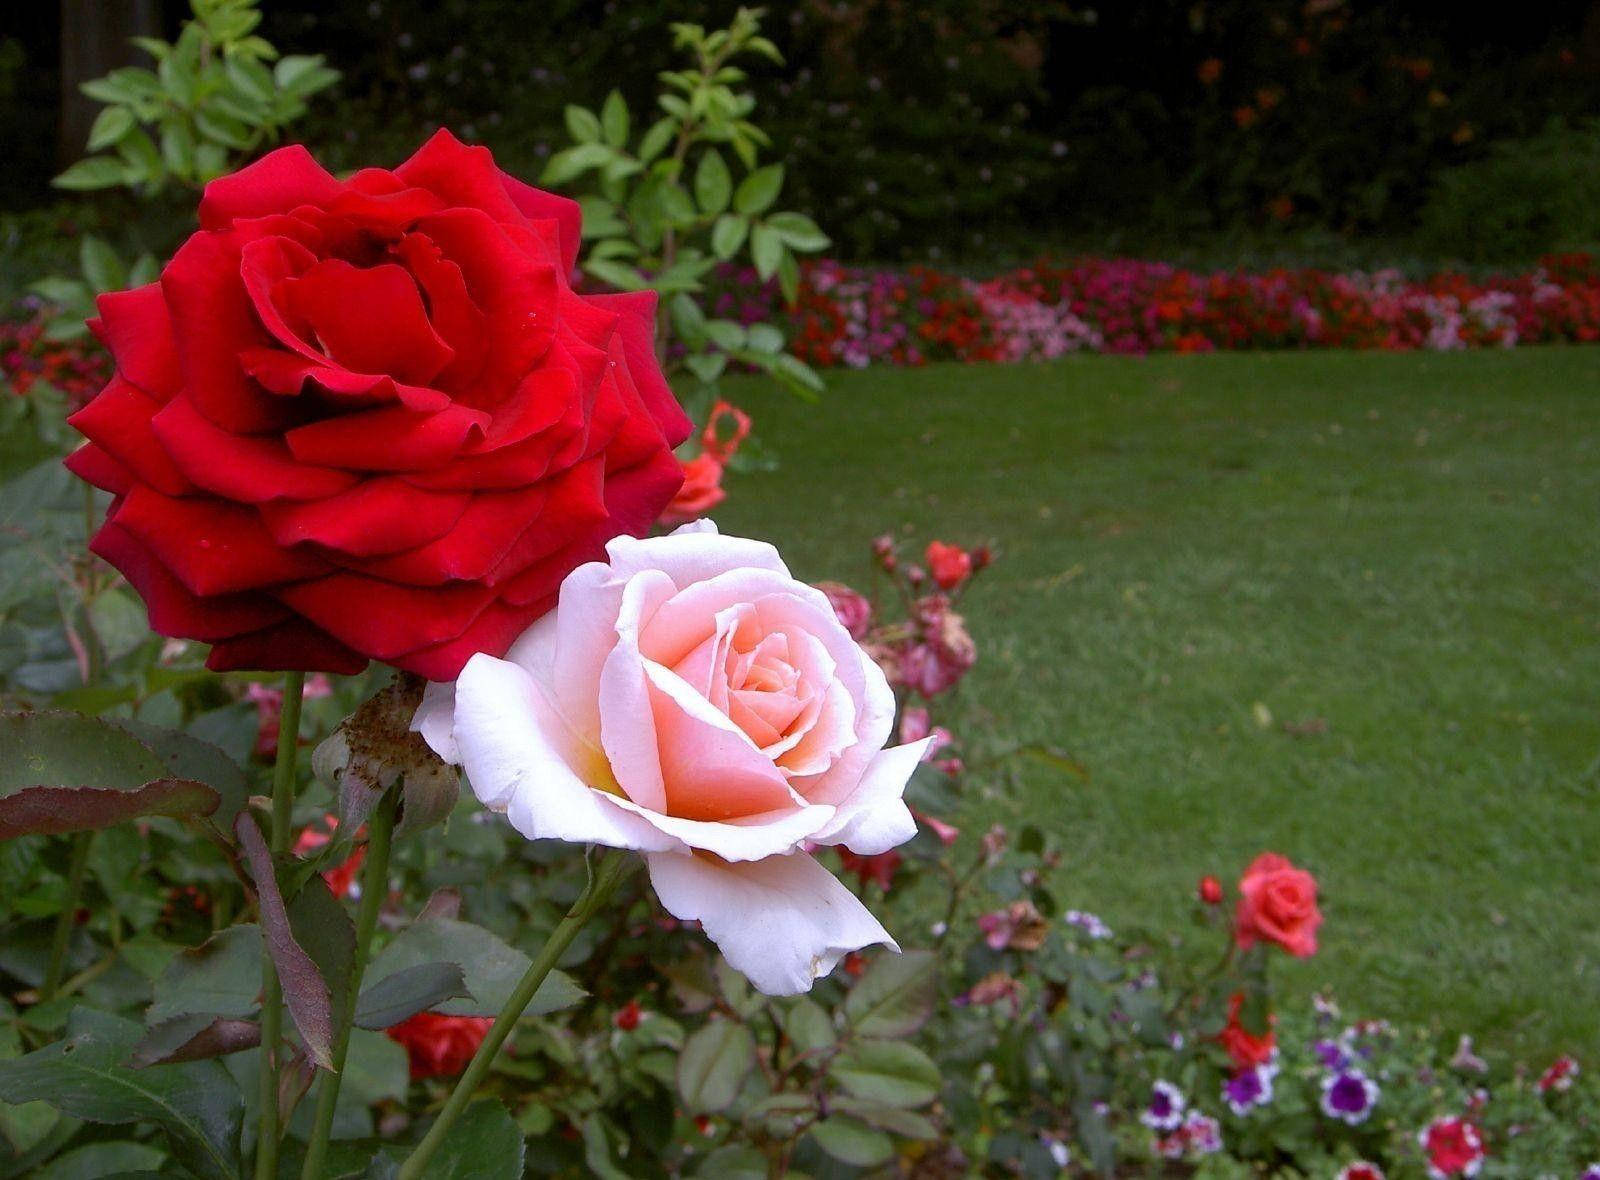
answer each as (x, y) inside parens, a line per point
(690, 699)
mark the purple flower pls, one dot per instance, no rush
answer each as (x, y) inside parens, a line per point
(1331, 1054)
(1248, 1089)
(1592, 1172)
(1349, 1096)
(1165, 1111)
(1088, 923)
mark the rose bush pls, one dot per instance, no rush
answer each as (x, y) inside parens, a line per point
(688, 698)
(370, 419)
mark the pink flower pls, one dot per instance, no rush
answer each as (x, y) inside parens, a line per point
(1277, 903)
(915, 725)
(1018, 927)
(268, 701)
(853, 609)
(948, 833)
(701, 490)
(690, 699)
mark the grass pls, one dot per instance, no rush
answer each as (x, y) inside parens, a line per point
(1404, 549)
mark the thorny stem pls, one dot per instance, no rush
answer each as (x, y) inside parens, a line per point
(283, 787)
(603, 882)
(374, 887)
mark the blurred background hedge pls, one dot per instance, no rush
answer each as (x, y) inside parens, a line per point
(977, 131)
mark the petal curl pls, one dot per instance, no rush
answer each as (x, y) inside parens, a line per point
(784, 922)
(874, 817)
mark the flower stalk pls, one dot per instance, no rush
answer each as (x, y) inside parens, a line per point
(283, 788)
(374, 888)
(604, 877)
(68, 917)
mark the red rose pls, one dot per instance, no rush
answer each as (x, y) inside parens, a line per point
(1277, 903)
(370, 418)
(1210, 890)
(880, 868)
(341, 876)
(1245, 1049)
(439, 1046)
(700, 493)
(950, 564)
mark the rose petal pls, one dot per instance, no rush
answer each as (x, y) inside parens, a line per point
(435, 719)
(276, 183)
(376, 516)
(251, 469)
(368, 319)
(136, 326)
(384, 619)
(287, 646)
(118, 419)
(392, 438)
(538, 205)
(784, 921)
(874, 818)
(690, 554)
(519, 760)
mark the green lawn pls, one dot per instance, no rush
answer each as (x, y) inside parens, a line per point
(1405, 547)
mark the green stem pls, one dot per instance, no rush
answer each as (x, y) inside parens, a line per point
(374, 887)
(68, 917)
(283, 786)
(603, 881)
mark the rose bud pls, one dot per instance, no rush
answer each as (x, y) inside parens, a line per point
(1210, 890)
(951, 565)
(627, 1017)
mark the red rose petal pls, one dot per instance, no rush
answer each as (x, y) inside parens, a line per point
(288, 374)
(461, 175)
(213, 320)
(252, 469)
(118, 419)
(450, 308)
(136, 326)
(370, 320)
(172, 609)
(377, 516)
(493, 631)
(276, 183)
(475, 545)
(388, 439)
(92, 465)
(384, 619)
(636, 329)
(538, 205)
(212, 546)
(294, 644)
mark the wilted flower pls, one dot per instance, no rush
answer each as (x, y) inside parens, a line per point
(1018, 927)
(853, 609)
(991, 989)
(1349, 1096)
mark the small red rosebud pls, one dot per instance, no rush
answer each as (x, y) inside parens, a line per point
(1210, 890)
(627, 1017)
(854, 964)
(702, 1123)
(982, 558)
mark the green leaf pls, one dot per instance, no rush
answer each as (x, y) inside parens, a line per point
(764, 338)
(95, 172)
(894, 1073)
(614, 119)
(220, 977)
(757, 191)
(490, 967)
(887, 1118)
(726, 334)
(618, 274)
(895, 996)
(484, 1144)
(713, 1065)
(109, 126)
(405, 993)
(808, 1025)
(706, 366)
(655, 140)
(789, 279)
(93, 1161)
(186, 756)
(197, 1103)
(574, 161)
(713, 183)
(733, 1162)
(62, 772)
(322, 926)
(193, 1038)
(582, 124)
(766, 250)
(798, 232)
(728, 235)
(850, 1141)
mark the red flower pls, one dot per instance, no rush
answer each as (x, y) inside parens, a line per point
(700, 493)
(1209, 71)
(439, 1046)
(950, 564)
(1454, 1147)
(880, 868)
(340, 877)
(1210, 890)
(851, 607)
(370, 419)
(726, 427)
(1245, 1048)
(627, 1017)
(1277, 903)
(1560, 1076)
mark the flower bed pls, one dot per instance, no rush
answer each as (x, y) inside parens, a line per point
(853, 317)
